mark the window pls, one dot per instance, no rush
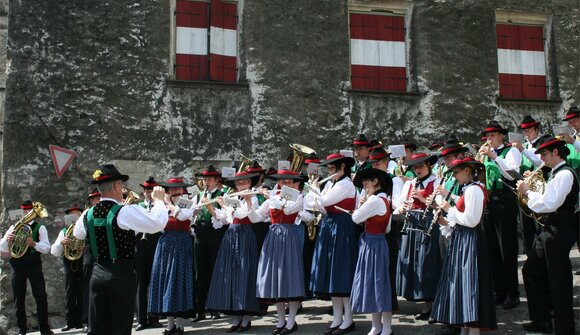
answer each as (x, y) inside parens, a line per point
(521, 56)
(378, 52)
(206, 40)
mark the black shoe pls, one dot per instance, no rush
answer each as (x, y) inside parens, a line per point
(200, 317)
(155, 324)
(215, 315)
(541, 327)
(510, 303)
(348, 329)
(448, 330)
(169, 331)
(234, 328)
(66, 328)
(278, 330)
(22, 332)
(330, 330)
(287, 331)
(423, 316)
(242, 329)
(178, 331)
(85, 329)
(46, 332)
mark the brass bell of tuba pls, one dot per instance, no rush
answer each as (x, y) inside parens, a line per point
(299, 157)
(22, 231)
(74, 250)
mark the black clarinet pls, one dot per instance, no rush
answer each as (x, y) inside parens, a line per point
(437, 213)
(406, 221)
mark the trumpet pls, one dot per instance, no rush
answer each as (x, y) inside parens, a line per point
(132, 197)
(480, 156)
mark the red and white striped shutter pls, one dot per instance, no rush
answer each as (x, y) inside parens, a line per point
(223, 41)
(521, 62)
(378, 52)
(192, 23)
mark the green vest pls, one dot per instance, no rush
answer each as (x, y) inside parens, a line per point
(205, 215)
(573, 158)
(35, 237)
(108, 223)
(261, 199)
(355, 168)
(492, 173)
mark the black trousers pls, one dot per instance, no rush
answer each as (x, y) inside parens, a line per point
(145, 252)
(206, 245)
(501, 231)
(74, 286)
(548, 276)
(529, 230)
(88, 263)
(29, 268)
(307, 254)
(393, 237)
(112, 297)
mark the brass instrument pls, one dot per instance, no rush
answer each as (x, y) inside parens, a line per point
(75, 248)
(480, 157)
(537, 183)
(244, 164)
(299, 157)
(311, 226)
(399, 170)
(22, 230)
(132, 198)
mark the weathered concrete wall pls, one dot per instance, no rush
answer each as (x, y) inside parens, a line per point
(94, 77)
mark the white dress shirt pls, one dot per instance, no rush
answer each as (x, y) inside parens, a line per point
(227, 214)
(473, 198)
(512, 161)
(42, 246)
(276, 202)
(557, 189)
(405, 191)
(373, 206)
(529, 152)
(132, 217)
(334, 193)
(57, 248)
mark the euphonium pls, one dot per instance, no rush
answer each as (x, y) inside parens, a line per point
(74, 250)
(299, 157)
(22, 230)
(537, 183)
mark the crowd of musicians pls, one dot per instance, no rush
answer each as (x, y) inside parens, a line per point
(439, 229)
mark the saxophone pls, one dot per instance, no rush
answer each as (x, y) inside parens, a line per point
(22, 230)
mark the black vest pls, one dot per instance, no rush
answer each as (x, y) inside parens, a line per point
(565, 212)
(124, 239)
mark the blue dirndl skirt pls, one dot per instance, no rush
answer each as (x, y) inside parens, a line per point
(171, 290)
(465, 296)
(419, 264)
(281, 269)
(233, 284)
(371, 289)
(334, 259)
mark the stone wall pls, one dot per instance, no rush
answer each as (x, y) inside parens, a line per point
(94, 76)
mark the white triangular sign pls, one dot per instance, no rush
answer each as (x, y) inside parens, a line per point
(62, 158)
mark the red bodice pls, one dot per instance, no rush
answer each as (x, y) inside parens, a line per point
(277, 216)
(378, 224)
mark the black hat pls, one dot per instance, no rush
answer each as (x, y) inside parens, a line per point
(550, 142)
(74, 207)
(312, 158)
(378, 154)
(256, 168)
(26, 204)
(374, 143)
(409, 144)
(452, 147)
(337, 159)
(451, 138)
(271, 170)
(285, 174)
(572, 113)
(477, 165)
(384, 179)
(149, 183)
(174, 182)
(360, 140)
(254, 178)
(210, 171)
(436, 145)
(421, 158)
(107, 173)
(528, 122)
(94, 193)
(493, 126)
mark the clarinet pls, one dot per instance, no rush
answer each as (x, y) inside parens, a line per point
(438, 212)
(428, 204)
(406, 221)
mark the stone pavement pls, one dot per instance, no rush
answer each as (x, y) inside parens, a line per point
(314, 320)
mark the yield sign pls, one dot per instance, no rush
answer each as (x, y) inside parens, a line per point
(62, 158)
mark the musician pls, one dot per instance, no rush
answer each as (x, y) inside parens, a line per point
(407, 173)
(371, 290)
(88, 262)
(334, 259)
(573, 143)
(280, 268)
(171, 292)
(531, 129)
(419, 262)
(73, 270)
(309, 214)
(361, 146)
(144, 253)
(207, 239)
(380, 159)
(260, 228)
(547, 272)
(233, 286)
(110, 231)
(465, 291)
(29, 268)
(500, 225)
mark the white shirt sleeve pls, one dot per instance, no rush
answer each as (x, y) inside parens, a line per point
(80, 230)
(242, 211)
(292, 207)
(57, 249)
(135, 217)
(259, 214)
(577, 145)
(391, 167)
(4, 245)
(473, 197)
(341, 190)
(403, 195)
(532, 157)
(512, 161)
(372, 207)
(304, 216)
(184, 214)
(557, 190)
(397, 190)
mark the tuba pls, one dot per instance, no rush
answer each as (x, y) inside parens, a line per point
(299, 157)
(74, 250)
(22, 230)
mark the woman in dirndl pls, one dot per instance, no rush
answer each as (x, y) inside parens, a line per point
(171, 289)
(465, 295)
(280, 269)
(419, 263)
(334, 259)
(233, 285)
(371, 289)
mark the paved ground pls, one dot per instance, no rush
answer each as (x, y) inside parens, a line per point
(314, 320)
